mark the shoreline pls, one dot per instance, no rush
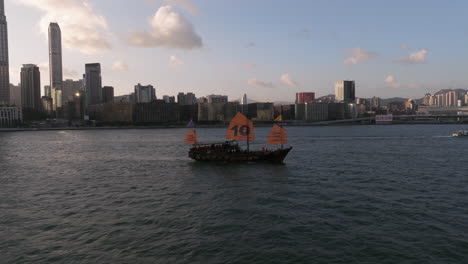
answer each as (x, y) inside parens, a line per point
(6, 130)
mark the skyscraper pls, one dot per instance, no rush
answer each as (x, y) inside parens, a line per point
(31, 87)
(4, 65)
(55, 64)
(144, 93)
(93, 83)
(345, 91)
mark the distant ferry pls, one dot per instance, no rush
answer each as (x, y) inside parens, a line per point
(240, 128)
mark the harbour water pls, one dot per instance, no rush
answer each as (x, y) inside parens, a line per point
(347, 194)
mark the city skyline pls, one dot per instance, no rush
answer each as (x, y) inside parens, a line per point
(304, 53)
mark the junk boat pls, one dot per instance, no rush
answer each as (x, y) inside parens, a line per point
(461, 133)
(240, 129)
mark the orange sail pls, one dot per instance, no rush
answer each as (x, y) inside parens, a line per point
(278, 136)
(240, 128)
(191, 137)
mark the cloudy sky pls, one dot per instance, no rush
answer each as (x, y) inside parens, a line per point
(269, 49)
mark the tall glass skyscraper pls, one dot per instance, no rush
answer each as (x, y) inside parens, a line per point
(55, 64)
(4, 68)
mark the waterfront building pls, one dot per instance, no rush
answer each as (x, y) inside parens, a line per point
(305, 97)
(128, 98)
(31, 87)
(10, 117)
(299, 110)
(70, 88)
(261, 111)
(452, 98)
(345, 91)
(113, 112)
(93, 85)
(217, 112)
(337, 111)
(15, 95)
(55, 65)
(144, 93)
(217, 98)
(316, 112)
(156, 112)
(107, 94)
(375, 102)
(4, 63)
(287, 112)
(466, 99)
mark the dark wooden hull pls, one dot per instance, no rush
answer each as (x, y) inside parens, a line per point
(276, 156)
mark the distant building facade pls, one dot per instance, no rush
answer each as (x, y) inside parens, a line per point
(10, 117)
(186, 99)
(156, 112)
(217, 112)
(15, 95)
(169, 99)
(4, 62)
(345, 91)
(144, 93)
(107, 94)
(217, 98)
(31, 87)
(55, 65)
(93, 83)
(305, 97)
(70, 88)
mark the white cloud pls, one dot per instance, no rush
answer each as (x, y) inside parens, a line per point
(120, 66)
(418, 57)
(185, 4)
(255, 82)
(174, 61)
(82, 28)
(168, 29)
(286, 79)
(390, 81)
(359, 55)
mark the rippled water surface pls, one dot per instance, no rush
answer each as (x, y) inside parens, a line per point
(353, 194)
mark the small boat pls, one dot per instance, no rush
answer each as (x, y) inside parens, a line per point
(240, 129)
(461, 133)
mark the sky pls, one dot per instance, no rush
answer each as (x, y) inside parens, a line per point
(269, 49)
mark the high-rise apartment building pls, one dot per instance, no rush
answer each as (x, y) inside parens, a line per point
(93, 85)
(107, 94)
(452, 98)
(186, 99)
(55, 65)
(304, 98)
(345, 91)
(4, 64)
(144, 93)
(217, 98)
(31, 87)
